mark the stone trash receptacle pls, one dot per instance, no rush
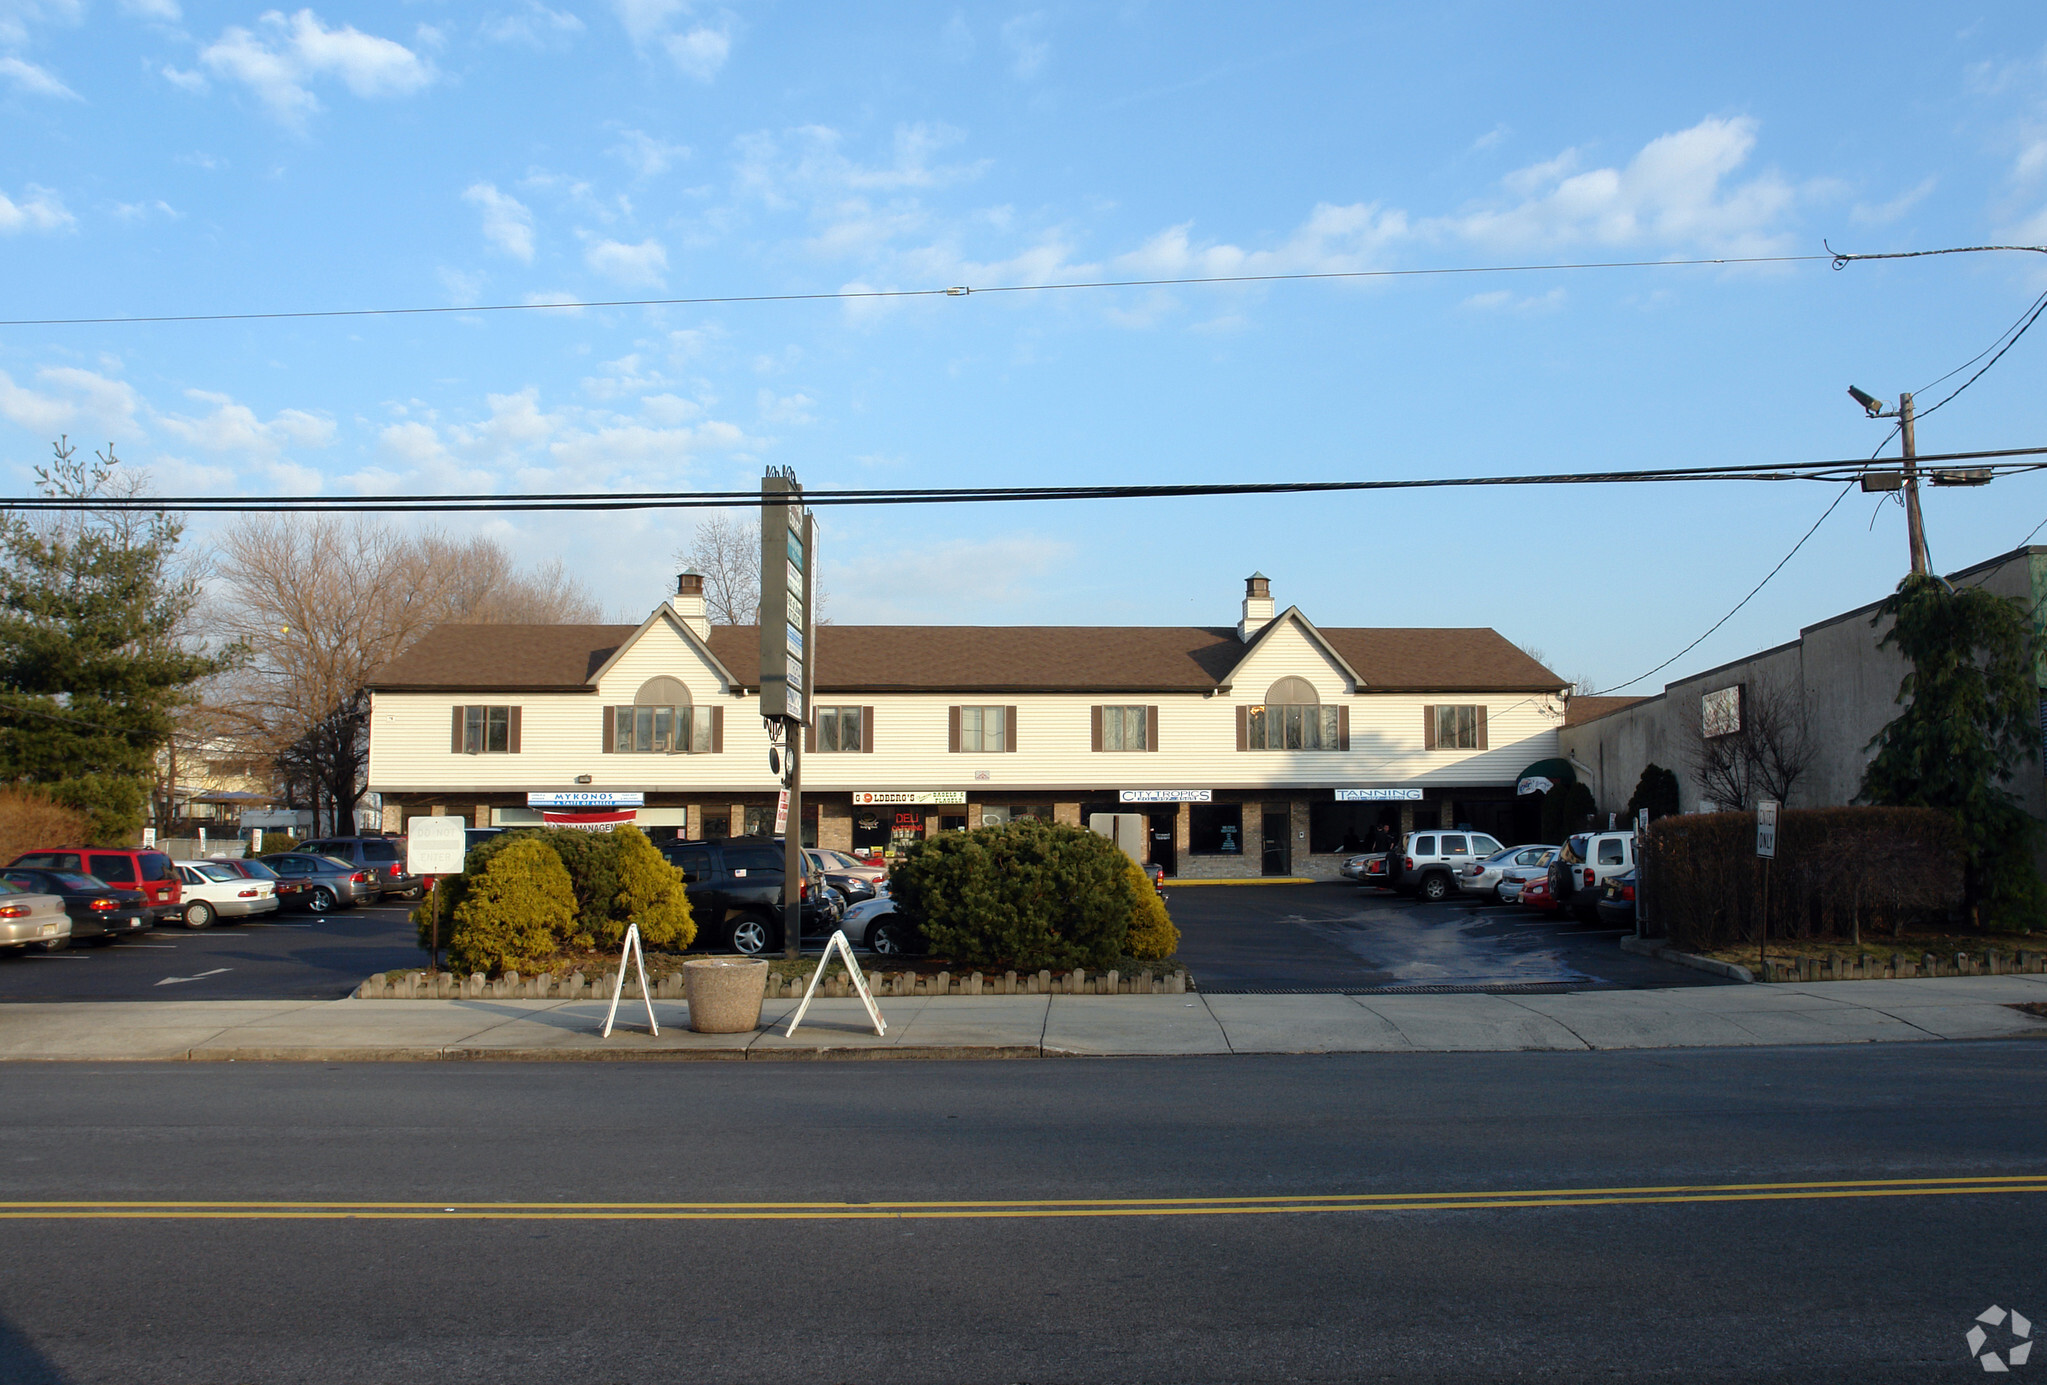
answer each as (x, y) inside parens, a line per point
(724, 997)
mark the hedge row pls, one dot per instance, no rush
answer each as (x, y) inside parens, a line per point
(523, 896)
(1837, 871)
(1030, 895)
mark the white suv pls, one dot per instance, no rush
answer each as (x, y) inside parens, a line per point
(1430, 861)
(1588, 861)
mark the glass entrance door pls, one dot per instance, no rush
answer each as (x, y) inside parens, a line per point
(1278, 834)
(1160, 829)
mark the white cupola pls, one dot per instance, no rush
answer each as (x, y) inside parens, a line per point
(688, 604)
(1257, 606)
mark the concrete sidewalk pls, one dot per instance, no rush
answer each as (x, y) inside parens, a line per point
(1034, 1026)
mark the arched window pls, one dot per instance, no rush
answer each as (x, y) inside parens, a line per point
(661, 721)
(1292, 717)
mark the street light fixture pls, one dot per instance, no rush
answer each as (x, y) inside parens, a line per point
(1870, 403)
(1908, 481)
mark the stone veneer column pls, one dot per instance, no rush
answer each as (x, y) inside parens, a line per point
(1301, 844)
(693, 830)
(1066, 813)
(1406, 818)
(1446, 814)
(1183, 835)
(482, 818)
(736, 824)
(834, 826)
(1254, 839)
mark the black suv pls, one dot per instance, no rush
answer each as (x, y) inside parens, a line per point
(382, 857)
(735, 893)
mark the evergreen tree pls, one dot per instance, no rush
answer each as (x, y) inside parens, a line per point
(1968, 726)
(94, 660)
(1657, 791)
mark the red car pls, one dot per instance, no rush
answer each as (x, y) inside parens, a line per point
(144, 870)
(1536, 894)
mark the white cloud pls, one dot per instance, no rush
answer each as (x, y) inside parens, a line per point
(1490, 138)
(280, 62)
(785, 408)
(957, 38)
(909, 584)
(71, 397)
(647, 156)
(41, 210)
(536, 26)
(142, 211)
(1332, 240)
(1675, 193)
(507, 223)
(234, 428)
(17, 15)
(1884, 213)
(187, 81)
(700, 52)
(162, 11)
(30, 80)
(1505, 300)
(1028, 47)
(642, 265)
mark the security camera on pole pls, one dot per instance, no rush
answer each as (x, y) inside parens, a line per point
(788, 580)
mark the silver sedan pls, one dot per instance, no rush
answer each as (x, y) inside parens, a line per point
(32, 920)
(1489, 876)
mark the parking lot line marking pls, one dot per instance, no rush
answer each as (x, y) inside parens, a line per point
(1040, 1209)
(181, 980)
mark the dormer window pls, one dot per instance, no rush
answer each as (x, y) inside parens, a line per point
(1292, 717)
(662, 721)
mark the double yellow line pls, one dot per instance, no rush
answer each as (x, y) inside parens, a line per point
(1467, 1201)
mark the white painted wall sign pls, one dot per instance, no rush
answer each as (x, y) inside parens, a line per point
(1165, 795)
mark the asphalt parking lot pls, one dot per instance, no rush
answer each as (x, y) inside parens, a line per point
(1243, 938)
(1336, 936)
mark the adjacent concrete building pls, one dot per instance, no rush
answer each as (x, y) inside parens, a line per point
(1845, 685)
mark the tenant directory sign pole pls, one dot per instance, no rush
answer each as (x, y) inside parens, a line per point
(788, 583)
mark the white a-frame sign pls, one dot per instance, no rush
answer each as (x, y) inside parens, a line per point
(638, 956)
(838, 940)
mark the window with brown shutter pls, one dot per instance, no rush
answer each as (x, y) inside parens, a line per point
(1428, 728)
(867, 730)
(1123, 728)
(609, 740)
(976, 730)
(1343, 728)
(485, 730)
(1151, 728)
(1009, 731)
(952, 729)
(1094, 728)
(717, 730)
(514, 735)
(1481, 729)
(1243, 727)
(1454, 728)
(455, 740)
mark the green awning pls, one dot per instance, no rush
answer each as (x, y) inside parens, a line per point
(1544, 775)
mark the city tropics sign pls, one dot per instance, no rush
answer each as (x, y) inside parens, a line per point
(1165, 795)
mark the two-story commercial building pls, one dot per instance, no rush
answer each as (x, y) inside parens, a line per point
(1268, 748)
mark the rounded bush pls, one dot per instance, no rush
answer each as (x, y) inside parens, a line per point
(1028, 894)
(1153, 938)
(650, 894)
(516, 909)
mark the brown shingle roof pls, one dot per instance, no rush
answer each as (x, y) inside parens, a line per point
(968, 658)
(1580, 710)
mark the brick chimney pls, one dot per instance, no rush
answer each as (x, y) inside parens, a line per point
(1257, 606)
(688, 603)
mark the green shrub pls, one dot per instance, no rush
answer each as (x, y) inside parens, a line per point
(1835, 869)
(1657, 791)
(650, 894)
(1028, 894)
(517, 909)
(453, 889)
(1152, 936)
(1566, 809)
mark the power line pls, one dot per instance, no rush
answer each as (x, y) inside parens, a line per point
(952, 291)
(1739, 604)
(2034, 316)
(1843, 258)
(2000, 462)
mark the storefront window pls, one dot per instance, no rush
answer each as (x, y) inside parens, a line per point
(1215, 829)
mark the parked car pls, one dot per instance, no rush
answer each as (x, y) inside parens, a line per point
(875, 926)
(146, 871)
(840, 863)
(287, 891)
(31, 916)
(99, 912)
(1617, 902)
(1537, 894)
(212, 890)
(1587, 861)
(735, 893)
(325, 883)
(854, 886)
(383, 857)
(1513, 878)
(1428, 862)
(1485, 877)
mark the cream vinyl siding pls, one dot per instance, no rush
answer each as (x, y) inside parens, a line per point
(562, 736)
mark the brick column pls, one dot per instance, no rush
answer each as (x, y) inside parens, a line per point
(482, 818)
(1183, 833)
(1254, 839)
(694, 829)
(1067, 814)
(1446, 814)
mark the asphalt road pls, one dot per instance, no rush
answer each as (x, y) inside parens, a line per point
(1340, 937)
(1803, 1286)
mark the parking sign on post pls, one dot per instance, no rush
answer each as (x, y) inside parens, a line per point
(1766, 829)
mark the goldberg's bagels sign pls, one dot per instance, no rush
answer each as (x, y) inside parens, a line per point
(911, 796)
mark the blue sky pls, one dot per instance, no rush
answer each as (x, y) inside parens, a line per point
(162, 157)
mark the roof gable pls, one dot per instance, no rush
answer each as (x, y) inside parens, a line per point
(1291, 619)
(664, 615)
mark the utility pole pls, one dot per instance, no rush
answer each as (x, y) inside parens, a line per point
(1915, 527)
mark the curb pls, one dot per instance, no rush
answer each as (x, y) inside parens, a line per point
(1656, 947)
(823, 1053)
(1174, 880)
